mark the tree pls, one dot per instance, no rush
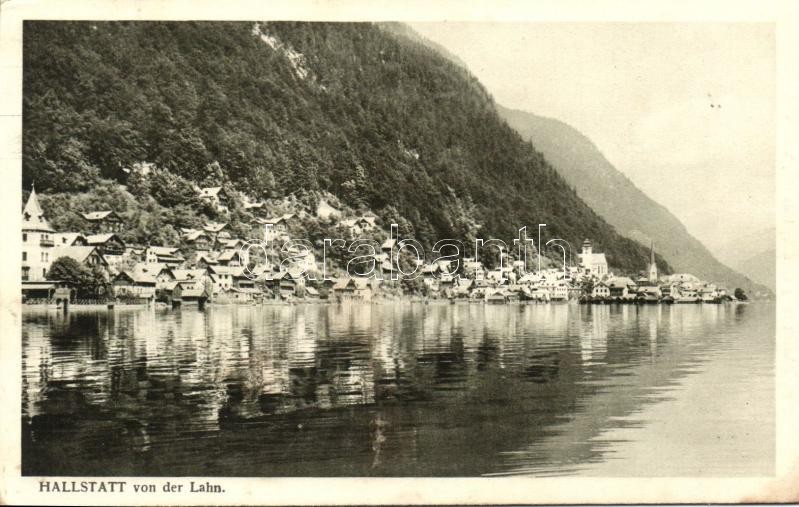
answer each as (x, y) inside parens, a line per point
(68, 270)
(87, 282)
(740, 294)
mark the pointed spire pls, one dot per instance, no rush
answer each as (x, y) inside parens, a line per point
(33, 216)
(652, 252)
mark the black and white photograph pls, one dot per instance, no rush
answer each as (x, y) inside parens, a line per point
(457, 248)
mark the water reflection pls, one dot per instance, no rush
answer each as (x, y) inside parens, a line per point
(402, 389)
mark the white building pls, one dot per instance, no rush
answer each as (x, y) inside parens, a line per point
(37, 241)
(590, 262)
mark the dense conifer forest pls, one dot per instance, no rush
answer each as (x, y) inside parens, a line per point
(276, 109)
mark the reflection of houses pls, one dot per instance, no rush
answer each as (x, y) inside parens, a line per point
(353, 289)
(103, 221)
(37, 241)
(590, 262)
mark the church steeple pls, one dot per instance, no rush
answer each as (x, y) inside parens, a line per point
(653, 268)
(33, 216)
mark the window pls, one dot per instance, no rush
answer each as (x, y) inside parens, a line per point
(24, 236)
(24, 256)
(26, 273)
(44, 273)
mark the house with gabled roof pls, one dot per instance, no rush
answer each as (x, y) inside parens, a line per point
(107, 243)
(135, 282)
(213, 196)
(353, 289)
(168, 255)
(325, 210)
(69, 239)
(230, 257)
(283, 283)
(199, 239)
(87, 255)
(103, 221)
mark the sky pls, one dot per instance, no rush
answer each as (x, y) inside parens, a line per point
(685, 110)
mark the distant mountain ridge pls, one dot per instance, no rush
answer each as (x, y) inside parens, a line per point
(614, 197)
(753, 254)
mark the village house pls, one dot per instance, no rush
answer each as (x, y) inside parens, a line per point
(251, 205)
(198, 239)
(280, 225)
(37, 241)
(89, 256)
(283, 284)
(591, 262)
(326, 211)
(353, 289)
(163, 274)
(229, 257)
(70, 239)
(214, 230)
(600, 290)
(162, 255)
(557, 290)
(230, 244)
(388, 246)
(473, 268)
(622, 287)
(213, 196)
(359, 225)
(107, 243)
(134, 283)
(188, 292)
(195, 278)
(204, 260)
(221, 278)
(103, 221)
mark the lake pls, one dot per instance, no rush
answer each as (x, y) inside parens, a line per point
(401, 389)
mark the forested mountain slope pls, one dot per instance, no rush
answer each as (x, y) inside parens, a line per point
(376, 118)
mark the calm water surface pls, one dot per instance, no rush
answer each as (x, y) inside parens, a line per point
(401, 390)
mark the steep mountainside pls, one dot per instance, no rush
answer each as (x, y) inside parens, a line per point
(376, 118)
(753, 254)
(618, 200)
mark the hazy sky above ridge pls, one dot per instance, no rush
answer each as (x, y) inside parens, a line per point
(643, 94)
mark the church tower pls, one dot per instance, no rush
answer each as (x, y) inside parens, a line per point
(37, 241)
(653, 268)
